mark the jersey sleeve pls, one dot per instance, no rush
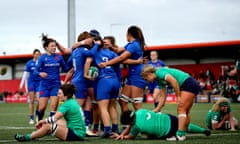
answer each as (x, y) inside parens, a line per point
(64, 108)
(130, 48)
(38, 65)
(63, 64)
(134, 131)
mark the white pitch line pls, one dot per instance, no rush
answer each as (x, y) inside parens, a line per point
(14, 128)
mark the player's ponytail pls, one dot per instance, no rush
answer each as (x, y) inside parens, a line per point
(46, 40)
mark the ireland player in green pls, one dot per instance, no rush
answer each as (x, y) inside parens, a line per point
(70, 129)
(154, 125)
(185, 87)
(221, 117)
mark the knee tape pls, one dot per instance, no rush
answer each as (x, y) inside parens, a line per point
(54, 129)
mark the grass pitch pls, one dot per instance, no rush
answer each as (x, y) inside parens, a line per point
(14, 118)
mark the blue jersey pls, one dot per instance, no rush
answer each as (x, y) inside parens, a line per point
(108, 81)
(104, 55)
(78, 59)
(50, 64)
(157, 64)
(30, 67)
(136, 52)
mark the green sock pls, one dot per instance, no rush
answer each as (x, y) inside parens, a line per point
(181, 133)
(192, 128)
(28, 137)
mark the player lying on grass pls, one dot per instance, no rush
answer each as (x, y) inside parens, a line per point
(154, 125)
(220, 116)
(71, 129)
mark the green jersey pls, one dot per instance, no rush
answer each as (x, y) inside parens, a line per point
(162, 72)
(151, 123)
(74, 117)
(238, 64)
(215, 117)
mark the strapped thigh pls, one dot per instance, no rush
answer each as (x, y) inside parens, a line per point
(137, 100)
(125, 98)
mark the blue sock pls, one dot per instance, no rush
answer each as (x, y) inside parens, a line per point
(52, 113)
(87, 117)
(107, 129)
(95, 127)
(31, 117)
(115, 127)
(36, 112)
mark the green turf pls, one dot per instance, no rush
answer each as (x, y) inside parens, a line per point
(14, 116)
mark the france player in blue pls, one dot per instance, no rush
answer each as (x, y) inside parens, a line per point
(108, 86)
(153, 86)
(32, 82)
(133, 89)
(78, 59)
(48, 67)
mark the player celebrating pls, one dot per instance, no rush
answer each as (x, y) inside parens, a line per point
(185, 87)
(48, 67)
(32, 82)
(133, 90)
(70, 129)
(154, 125)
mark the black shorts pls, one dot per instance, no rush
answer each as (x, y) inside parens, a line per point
(71, 136)
(174, 126)
(190, 85)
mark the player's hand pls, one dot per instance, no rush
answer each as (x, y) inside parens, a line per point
(102, 65)
(43, 74)
(89, 78)
(140, 60)
(114, 135)
(40, 123)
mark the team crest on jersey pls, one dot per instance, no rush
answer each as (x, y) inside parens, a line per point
(56, 58)
(46, 59)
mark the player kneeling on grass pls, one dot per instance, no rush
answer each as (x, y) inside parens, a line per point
(220, 117)
(71, 129)
(154, 125)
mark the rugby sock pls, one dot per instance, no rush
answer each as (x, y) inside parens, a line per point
(155, 104)
(115, 128)
(181, 133)
(107, 129)
(40, 116)
(195, 128)
(95, 127)
(28, 137)
(31, 117)
(87, 115)
(52, 113)
(36, 112)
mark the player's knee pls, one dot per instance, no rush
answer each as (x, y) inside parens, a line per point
(47, 127)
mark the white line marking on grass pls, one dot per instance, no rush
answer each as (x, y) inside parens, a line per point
(215, 134)
(14, 128)
(12, 114)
